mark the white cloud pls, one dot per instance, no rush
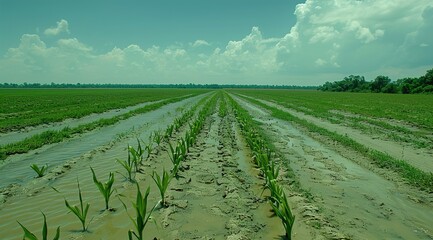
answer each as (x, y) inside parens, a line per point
(330, 40)
(199, 43)
(62, 26)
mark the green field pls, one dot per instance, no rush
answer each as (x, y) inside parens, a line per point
(20, 108)
(413, 109)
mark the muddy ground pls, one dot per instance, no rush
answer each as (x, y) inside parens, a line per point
(219, 192)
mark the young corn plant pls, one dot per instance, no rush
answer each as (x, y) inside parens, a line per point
(157, 137)
(128, 165)
(137, 155)
(29, 235)
(106, 189)
(176, 158)
(169, 131)
(282, 210)
(142, 215)
(80, 212)
(162, 184)
(149, 148)
(39, 170)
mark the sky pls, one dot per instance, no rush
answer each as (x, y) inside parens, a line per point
(277, 42)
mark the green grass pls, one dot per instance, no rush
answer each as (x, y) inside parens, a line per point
(20, 108)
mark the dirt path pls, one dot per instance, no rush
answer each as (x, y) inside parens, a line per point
(361, 203)
(420, 158)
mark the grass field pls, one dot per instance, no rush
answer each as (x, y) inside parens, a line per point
(228, 164)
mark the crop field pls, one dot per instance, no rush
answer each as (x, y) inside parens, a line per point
(215, 164)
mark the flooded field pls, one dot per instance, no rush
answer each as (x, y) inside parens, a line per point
(219, 189)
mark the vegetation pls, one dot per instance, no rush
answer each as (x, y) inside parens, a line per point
(414, 176)
(21, 108)
(48, 137)
(412, 109)
(151, 86)
(80, 212)
(30, 236)
(142, 215)
(262, 156)
(162, 183)
(39, 170)
(128, 165)
(106, 188)
(382, 84)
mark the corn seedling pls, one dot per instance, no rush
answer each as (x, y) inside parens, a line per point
(143, 215)
(282, 210)
(149, 149)
(157, 137)
(80, 212)
(40, 171)
(105, 188)
(176, 158)
(137, 155)
(162, 184)
(128, 165)
(29, 235)
(169, 131)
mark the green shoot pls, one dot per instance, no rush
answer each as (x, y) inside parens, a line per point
(40, 171)
(80, 212)
(137, 155)
(157, 137)
(162, 184)
(105, 188)
(282, 210)
(29, 235)
(128, 165)
(143, 215)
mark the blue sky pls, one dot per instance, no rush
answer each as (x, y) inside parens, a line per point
(229, 42)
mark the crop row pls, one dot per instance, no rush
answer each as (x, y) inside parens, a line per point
(48, 137)
(413, 109)
(134, 162)
(31, 107)
(263, 159)
(413, 175)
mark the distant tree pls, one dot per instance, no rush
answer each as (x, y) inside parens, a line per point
(379, 83)
(390, 88)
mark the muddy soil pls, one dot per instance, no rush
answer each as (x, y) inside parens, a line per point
(25, 197)
(216, 197)
(57, 155)
(352, 197)
(420, 158)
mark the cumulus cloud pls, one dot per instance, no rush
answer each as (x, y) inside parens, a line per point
(330, 40)
(62, 26)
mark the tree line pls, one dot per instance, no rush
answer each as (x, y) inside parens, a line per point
(382, 84)
(109, 85)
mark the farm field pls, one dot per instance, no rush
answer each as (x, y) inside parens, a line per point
(238, 164)
(20, 108)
